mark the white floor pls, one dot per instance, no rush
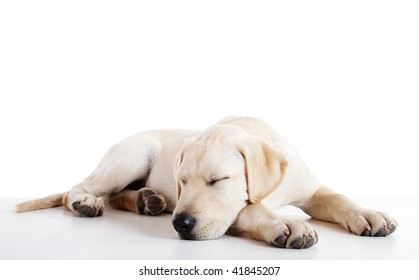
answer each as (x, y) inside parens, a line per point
(56, 234)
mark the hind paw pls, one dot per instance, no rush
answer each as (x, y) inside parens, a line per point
(145, 201)
(150, 202)
(86, 205)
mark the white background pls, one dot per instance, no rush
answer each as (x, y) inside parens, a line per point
(339, 79)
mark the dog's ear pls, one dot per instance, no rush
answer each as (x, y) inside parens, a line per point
(265, 168)
(178, 162)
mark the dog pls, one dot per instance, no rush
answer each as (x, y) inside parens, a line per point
(226, 179)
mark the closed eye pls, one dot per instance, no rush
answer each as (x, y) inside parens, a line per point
(212, 182)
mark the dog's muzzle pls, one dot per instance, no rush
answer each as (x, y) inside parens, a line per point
(184, 225)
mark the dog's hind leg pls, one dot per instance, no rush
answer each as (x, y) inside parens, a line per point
(128, 161)
(145, 201)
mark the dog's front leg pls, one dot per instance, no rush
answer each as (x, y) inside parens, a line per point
(326, 205)
(258, 222)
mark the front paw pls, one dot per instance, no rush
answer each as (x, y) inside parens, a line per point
(295, 235)
(86, 205)
(371, 223)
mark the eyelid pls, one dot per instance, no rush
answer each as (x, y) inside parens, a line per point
(212, 182)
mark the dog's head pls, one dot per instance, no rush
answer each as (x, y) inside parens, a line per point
(218, 173)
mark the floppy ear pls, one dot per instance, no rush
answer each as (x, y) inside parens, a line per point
(178, 161)
(265, 168)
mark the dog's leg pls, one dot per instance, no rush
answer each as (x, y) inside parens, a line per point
(258, 222)
(126, 162)
(145, 201)
(329, 206)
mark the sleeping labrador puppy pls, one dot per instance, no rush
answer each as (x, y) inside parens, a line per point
(226, 179)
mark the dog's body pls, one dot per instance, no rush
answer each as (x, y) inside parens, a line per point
(227, 178)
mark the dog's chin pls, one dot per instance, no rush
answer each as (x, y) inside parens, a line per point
(208, 231)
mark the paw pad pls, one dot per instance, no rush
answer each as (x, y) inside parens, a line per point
(87, 210)
(150, 202)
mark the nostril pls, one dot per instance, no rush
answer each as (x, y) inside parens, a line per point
(183, 223)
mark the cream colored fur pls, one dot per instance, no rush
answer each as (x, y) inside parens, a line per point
(229, 177)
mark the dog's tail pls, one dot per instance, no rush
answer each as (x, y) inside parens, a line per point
(51, 201)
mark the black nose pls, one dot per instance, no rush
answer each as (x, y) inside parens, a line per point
(184, 224)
